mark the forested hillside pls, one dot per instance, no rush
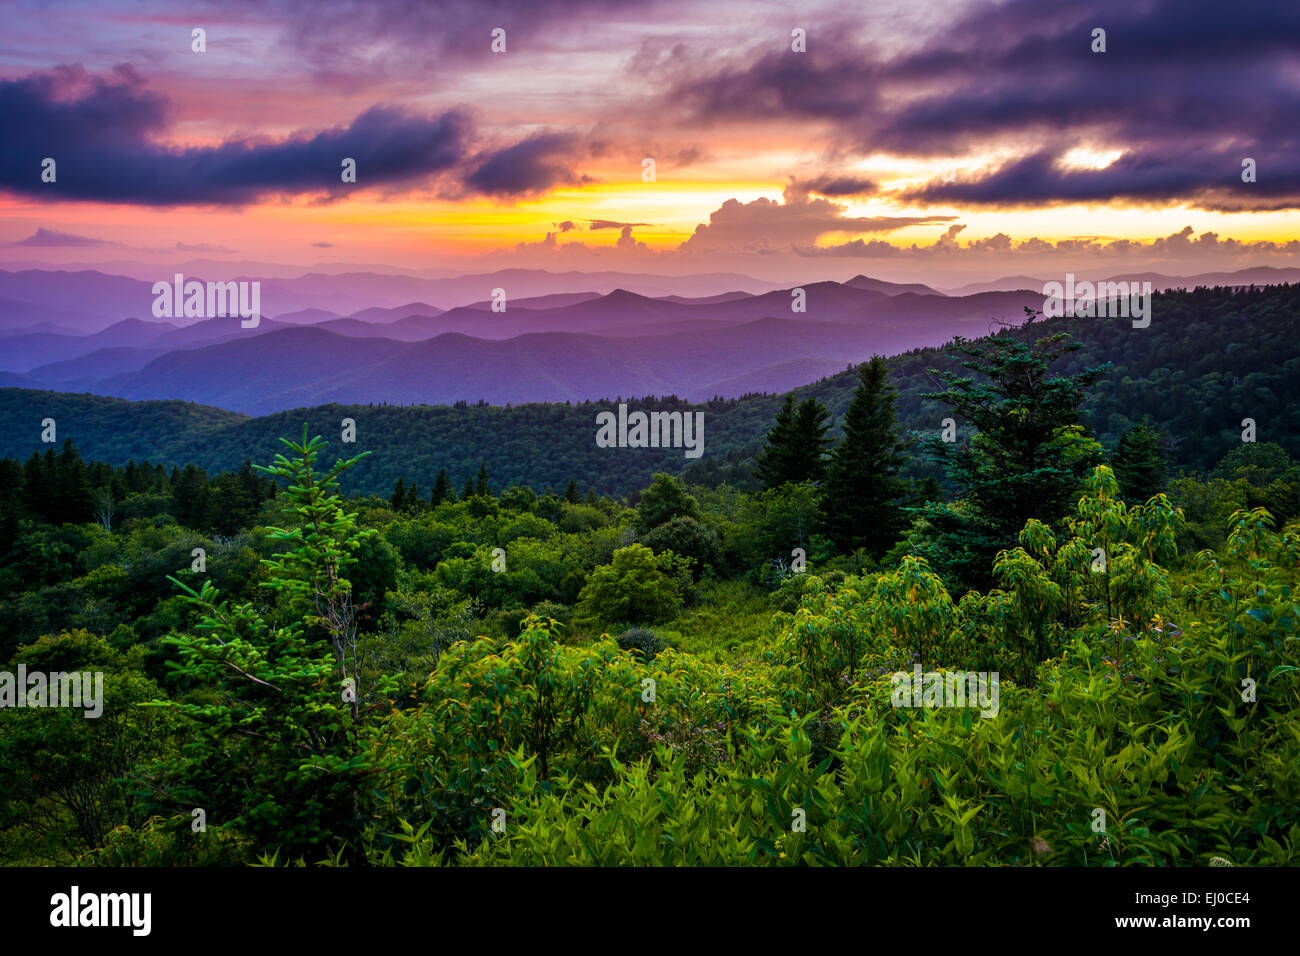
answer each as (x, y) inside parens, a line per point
(1209, 356)
(1070, 656)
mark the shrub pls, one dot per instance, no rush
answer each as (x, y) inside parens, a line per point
(643, 641)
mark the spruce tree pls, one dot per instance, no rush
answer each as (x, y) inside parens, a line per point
(442, 490)
(278, 748)
(192, 498)
(795, 448)
(812, 422)
(1029, 454)
(397, 500)
(775, 463)
(1139, 464)
(860, 507)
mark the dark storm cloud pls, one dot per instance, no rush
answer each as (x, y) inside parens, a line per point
(102, 132)
(99, 132)
(1186, 88)
(832, 184)
(530, 166)
(1212, 176)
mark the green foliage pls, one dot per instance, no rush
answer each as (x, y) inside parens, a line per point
(687, 537)
(665, 499)
(63, 769)
(636, 587)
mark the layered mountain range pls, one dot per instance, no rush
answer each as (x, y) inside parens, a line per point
(88, 331)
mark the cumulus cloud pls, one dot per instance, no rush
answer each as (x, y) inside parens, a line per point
(765, 224)
(1183, 246)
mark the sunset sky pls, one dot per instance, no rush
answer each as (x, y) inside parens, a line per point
(776, 163)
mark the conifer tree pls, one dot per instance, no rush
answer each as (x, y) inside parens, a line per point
(861, 507)
(442, 490)
(795, 448)
(1139, 464)
(1029, 455)
(775, 462)
(278, 750)
(812, 422)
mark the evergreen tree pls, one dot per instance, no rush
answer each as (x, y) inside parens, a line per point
(775, 465)
(812, 422)
(71, 487)
(467, 492)
(481, 487)
(278, 748)
(397, 500)
(861, 507)
(38, 485)
(1139, 464)
(192, 498)
(442, 490)
(236, 500)
(571, 494)
(1028, 457)
(795, 448)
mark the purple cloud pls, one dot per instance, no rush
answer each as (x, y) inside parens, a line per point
(101, 132)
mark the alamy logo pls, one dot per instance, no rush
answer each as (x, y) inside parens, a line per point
(1118, 299)
(953, 689)
(651, 430)
(191, 300)
(79, 689)
(102, 909)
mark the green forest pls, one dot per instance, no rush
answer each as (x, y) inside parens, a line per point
(473, 638)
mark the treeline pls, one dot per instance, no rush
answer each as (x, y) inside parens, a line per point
(62, 488)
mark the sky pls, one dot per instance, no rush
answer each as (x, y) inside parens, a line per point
(924, 140)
